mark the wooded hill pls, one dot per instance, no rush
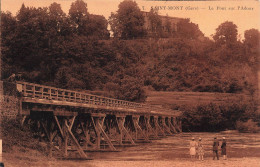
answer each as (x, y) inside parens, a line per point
(75, 51)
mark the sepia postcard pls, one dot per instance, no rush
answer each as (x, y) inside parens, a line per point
(130, 83)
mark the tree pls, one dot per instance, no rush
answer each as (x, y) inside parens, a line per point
(8, 23)
(30, 37)
(55, 10)
(155, 23)
(78, 13)
(128, 21)
(97, 26)
(252, 38)
(87, 24)
(226, 33)
(78, 10)
(59, 23)
(114, 25)
(168, 26)
(252, 44)
(8, 28)
(127, 88)
(188, 29)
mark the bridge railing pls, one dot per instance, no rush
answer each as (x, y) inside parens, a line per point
(51, 93)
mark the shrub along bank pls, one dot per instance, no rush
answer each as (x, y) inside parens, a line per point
(20, 139)
(240, 114)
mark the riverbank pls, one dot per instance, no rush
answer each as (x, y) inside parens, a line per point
(14, 161)
(243, 151)
(243, 162)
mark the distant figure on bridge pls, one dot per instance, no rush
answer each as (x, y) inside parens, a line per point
(215, 148)
(193, 145)
(15, 77)
(200, 150)
(224, 148)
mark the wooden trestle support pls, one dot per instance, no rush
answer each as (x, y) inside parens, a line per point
(76, 122)
(67, 132)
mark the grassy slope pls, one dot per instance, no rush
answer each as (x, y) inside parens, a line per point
(188, 98)
(20, 145)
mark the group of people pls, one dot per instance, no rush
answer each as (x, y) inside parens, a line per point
(197, 148)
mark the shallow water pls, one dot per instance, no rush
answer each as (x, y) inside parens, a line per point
(177, 147)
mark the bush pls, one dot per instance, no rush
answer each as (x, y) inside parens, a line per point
(16, 136)
(211, 117)
(248, 126)
(128, 88)
(203, 117)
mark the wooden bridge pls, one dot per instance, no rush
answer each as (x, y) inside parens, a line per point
(75, 122)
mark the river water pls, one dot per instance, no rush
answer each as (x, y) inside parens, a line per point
(177, 147)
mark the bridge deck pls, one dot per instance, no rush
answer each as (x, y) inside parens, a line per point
(40, 94)
(72, 120)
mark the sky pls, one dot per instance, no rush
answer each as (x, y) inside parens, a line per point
(207, 14)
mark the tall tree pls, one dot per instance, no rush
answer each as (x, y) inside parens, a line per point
(168, 26)
(78, 13)
(252, 38)
(155, 23)
(252, 45)
(8, 29)
(226, 33)
(97, 26)
(59, 23)
(87, 24)
(78, 10)
(128, 21)
(31, 38)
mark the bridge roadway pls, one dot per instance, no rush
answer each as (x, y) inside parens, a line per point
(76, 121)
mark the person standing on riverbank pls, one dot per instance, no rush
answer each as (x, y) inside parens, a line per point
(200, 150)
(193, 145)
(224, 148)
(215, 148)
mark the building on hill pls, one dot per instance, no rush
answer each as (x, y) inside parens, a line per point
(166, 23)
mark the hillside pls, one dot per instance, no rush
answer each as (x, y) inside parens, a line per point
(190, 98)
(205, 111)
(81, 58)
